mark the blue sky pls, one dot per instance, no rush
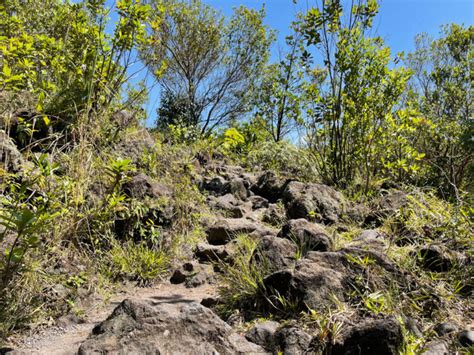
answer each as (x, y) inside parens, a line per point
(398, 22)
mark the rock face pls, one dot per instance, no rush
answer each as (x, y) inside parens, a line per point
(373, 336)
(171, 328)
(308, 236)
(226, 229)
(315, 281)
(279, 253)
(319, 202)
(269, 186)
(263, 334)
(291, 340)
(142, 185)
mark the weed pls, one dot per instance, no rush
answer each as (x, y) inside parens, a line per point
(242, 280)
(136, 262)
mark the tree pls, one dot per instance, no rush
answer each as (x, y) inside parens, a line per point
(279, 101)
(352, 93)
(212, 63)
(441, 89)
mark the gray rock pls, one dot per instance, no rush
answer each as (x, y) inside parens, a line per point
(313, 283)
(269, 186)
(445, 328)
(292, 341)
(133, 146)
(276, 253)
(238, 189)
(437, 347)
(142, 185)
(226, 229)
(217, 185)
(141, 327)
(466, 337)
(370, 239)
(258, 202)
(263, 333)
(306, 235)
(372, 336)
(385, 206)
(318, 202)
(206, 252)
(274, 215)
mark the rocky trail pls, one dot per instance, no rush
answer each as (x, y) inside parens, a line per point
(66, 339)
(307, 269)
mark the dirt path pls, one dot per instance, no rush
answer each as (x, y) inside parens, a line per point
(64, 341)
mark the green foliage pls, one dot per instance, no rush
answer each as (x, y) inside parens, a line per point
(441, 90)
(285, 158)
(242, 281)
(136, 262)
(352, 95)
(59, 53)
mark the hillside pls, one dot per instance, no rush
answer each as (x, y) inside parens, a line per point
(318, 203)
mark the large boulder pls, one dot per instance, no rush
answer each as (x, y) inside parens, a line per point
(306, 235)
(226, 229)
(216, 185)
(372, 336)
(385, 206)
(141, 185)
(140, 327)
(263, 333)
(275, 253)
(318, 202)
(314, 282)
(269, 186)
(291, 340)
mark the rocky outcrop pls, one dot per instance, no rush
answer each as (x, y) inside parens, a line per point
(263, 334)
(371, 336)
(314, 282)
(269, 186)
(317, 202)
(139, 327)
(306, 235)
(226, 229)
(275, 253)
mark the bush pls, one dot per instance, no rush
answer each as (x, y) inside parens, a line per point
(285, 158)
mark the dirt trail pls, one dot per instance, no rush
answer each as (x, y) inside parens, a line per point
(64, 341)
